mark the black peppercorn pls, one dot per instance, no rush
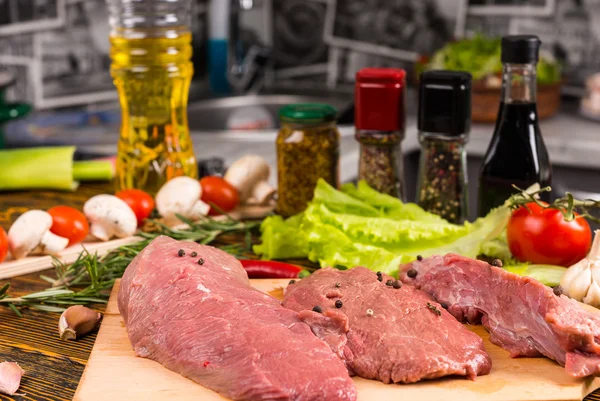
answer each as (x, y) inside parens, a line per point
(389, 283)
(181, 252)
(339, 304)
(397, 284)
(317, 309)
(379, 273)
(412, 273)
(292, 281)
(419, 258)
(497, 263)
(200, 261)
(557, 290)
(379, 278)
(194, 254)
(338, 285)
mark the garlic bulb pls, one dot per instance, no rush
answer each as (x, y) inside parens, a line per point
(582, 280)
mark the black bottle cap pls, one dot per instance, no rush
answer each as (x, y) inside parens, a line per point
(445, 102)
(520, 49)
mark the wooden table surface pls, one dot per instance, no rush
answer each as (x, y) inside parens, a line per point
(52, 367)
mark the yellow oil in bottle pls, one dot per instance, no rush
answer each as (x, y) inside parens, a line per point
(152, 75)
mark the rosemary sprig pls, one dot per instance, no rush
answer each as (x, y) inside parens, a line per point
(89, 279)
(567, 205)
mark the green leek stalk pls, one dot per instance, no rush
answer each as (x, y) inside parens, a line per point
(49, 168)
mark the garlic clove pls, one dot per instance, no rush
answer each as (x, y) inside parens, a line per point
(577, 280)
(77, 321)
(593, 295)
(10, 377)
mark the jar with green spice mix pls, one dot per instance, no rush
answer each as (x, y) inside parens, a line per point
(308, 147)
(444, 122)
(380, 120)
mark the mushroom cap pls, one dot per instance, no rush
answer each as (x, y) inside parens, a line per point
(112, 213)
(246, 172)
(27, 231)
(178, 196)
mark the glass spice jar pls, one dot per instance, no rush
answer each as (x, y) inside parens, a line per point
(442, 185)
(444, 122)
(381, 162)
(380, 121)
(308, 146)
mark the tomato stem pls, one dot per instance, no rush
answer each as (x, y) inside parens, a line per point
(567, 205)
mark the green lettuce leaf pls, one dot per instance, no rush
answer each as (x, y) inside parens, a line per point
(359, 226)
(546, 274)
(282, 239)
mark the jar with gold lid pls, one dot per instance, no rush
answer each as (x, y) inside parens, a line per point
(308, 147)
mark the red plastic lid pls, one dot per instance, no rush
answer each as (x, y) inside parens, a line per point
(379, 99)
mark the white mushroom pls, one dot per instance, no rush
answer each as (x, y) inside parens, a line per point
(110, 217)
(30, 233)
(181, 196)
(250, 175)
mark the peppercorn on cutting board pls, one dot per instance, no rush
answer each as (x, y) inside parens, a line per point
(114, 373)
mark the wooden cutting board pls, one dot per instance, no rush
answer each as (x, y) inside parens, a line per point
(114, 373)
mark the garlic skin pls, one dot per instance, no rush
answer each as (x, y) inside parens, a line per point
(10, 377)
(77, 321)
(582, 280)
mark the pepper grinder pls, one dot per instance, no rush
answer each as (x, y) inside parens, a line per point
(444, 123)
(380, 121)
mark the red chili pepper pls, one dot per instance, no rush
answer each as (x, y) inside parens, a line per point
(270, 269)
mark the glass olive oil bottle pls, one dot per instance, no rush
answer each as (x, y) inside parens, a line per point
(151, 67)
(517, 154)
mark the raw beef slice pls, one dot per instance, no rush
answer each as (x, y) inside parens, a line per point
(386, 333)
(199, 317)
(521, 314)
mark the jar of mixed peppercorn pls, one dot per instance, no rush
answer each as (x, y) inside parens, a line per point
(444, 123)
(308, 147)
(379, 118)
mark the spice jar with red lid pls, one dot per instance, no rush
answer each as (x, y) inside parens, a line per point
(380, 123)
(444, 123)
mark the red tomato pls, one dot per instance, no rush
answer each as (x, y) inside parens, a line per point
(219, 192)
(3, 244)
(139, 201)
(542, 236)
(69, 223)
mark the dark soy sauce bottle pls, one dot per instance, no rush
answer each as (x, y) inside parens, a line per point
(517, 154)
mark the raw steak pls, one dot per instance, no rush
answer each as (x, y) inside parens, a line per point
(204, 321)
(522, 315)
(386, 333)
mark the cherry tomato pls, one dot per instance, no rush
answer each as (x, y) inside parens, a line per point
(3, 244)
(69, 223)
(139, 201)
(219, 192)
(542, 236)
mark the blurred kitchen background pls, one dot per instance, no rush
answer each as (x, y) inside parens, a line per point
(54, 57)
